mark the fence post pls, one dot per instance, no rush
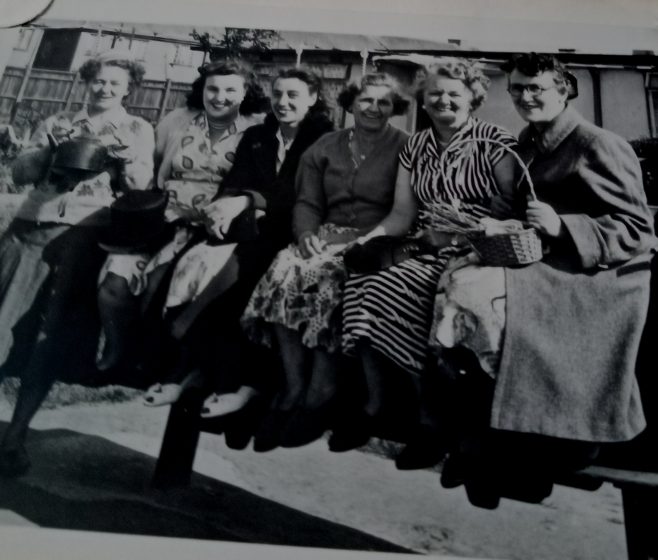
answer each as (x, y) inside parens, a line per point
(23, 87)
(165, 98)
(69, 97)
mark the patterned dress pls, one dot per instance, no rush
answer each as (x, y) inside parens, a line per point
(305, 295)
(391, 310)
(197, 170)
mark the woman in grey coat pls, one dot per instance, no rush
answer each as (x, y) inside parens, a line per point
(573, 321)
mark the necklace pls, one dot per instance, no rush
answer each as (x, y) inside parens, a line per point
(358, 156)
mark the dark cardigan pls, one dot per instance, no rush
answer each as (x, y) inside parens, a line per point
(254, 172)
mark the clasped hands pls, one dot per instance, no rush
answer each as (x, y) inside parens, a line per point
(310, 244)
(221, 213)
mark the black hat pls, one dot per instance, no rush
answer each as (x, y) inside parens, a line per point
(137, 222)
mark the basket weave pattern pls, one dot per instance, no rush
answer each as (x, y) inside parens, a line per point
(505, 249)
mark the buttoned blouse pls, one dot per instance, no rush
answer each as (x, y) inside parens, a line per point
(332, 187)
(116, 128)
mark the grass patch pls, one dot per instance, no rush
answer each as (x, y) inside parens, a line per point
(63, 394)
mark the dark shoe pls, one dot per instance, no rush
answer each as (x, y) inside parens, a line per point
(14, 462)
(482, 494)
(453, 471)
(242, 425)
(306, 426)
(425, 449)
(268, 435)
(353, 435)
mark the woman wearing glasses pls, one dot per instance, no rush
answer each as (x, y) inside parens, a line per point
(573, 321)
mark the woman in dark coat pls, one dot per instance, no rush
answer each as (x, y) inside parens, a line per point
(260, 180)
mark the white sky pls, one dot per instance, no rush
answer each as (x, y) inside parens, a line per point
(607, 26)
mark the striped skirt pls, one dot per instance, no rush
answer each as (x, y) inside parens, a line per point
(391, 310)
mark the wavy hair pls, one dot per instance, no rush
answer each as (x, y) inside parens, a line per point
(314, 83)
(90, 69)
(352, 91)
(532, 64)
(255, 100)
(468, 72)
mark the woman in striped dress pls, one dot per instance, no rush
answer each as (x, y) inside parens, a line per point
(387, 315)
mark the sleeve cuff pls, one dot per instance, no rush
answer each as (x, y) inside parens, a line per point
(583, 233)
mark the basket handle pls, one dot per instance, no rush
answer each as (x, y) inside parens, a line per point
(522, 164)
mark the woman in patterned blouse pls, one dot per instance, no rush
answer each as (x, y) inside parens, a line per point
(195, 149)
(49, 257)
(387, 315)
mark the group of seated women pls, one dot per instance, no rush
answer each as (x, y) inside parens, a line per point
(268, 310)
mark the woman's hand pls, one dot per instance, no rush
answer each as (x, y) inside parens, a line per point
(542, 217)
(310, 244)
(222, 212)
(501, 208)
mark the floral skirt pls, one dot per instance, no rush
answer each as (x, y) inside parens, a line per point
(304, 295)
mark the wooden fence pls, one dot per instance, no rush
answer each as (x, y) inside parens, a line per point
(27, 96)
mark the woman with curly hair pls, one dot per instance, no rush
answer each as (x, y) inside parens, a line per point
(344, 187)
(205, 317)
(195, 149)
(49, 256)
(387, 315)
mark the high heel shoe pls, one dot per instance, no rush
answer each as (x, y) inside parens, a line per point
(352, 434)
(227, 403)
(168, 393)
(268, 435)
(307, 425)
(424, 450)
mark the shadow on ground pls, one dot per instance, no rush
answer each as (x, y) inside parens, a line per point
(85, 482)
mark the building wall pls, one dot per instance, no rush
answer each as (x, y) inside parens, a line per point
(624, 103)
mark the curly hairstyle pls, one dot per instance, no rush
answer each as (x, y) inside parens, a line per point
(468, 72)
(314, 83)
(352, 91)
(532, 64)
(90, 69)
(255, 100)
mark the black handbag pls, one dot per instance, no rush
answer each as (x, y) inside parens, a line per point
(379, 253)
(244, 227)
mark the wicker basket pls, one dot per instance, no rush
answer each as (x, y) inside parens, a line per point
(505, 249)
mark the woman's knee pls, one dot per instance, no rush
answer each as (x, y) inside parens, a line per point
(114, 290)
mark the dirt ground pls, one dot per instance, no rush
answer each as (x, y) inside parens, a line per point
(357, 490)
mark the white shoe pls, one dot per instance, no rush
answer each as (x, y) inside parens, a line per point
(160, 395)
(221, 405)
(169, 393)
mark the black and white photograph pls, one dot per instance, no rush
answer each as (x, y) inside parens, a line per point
(327, 281)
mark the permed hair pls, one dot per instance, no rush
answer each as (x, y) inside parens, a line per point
(469, 73)
(352, 91)
(90, 69)
(255, 100)
(533, 64)
(314, 83)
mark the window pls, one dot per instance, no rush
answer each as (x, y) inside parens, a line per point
(57, 49)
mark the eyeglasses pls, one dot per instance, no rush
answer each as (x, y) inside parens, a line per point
(535, 90)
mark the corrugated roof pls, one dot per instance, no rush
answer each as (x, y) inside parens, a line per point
(285, 40)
